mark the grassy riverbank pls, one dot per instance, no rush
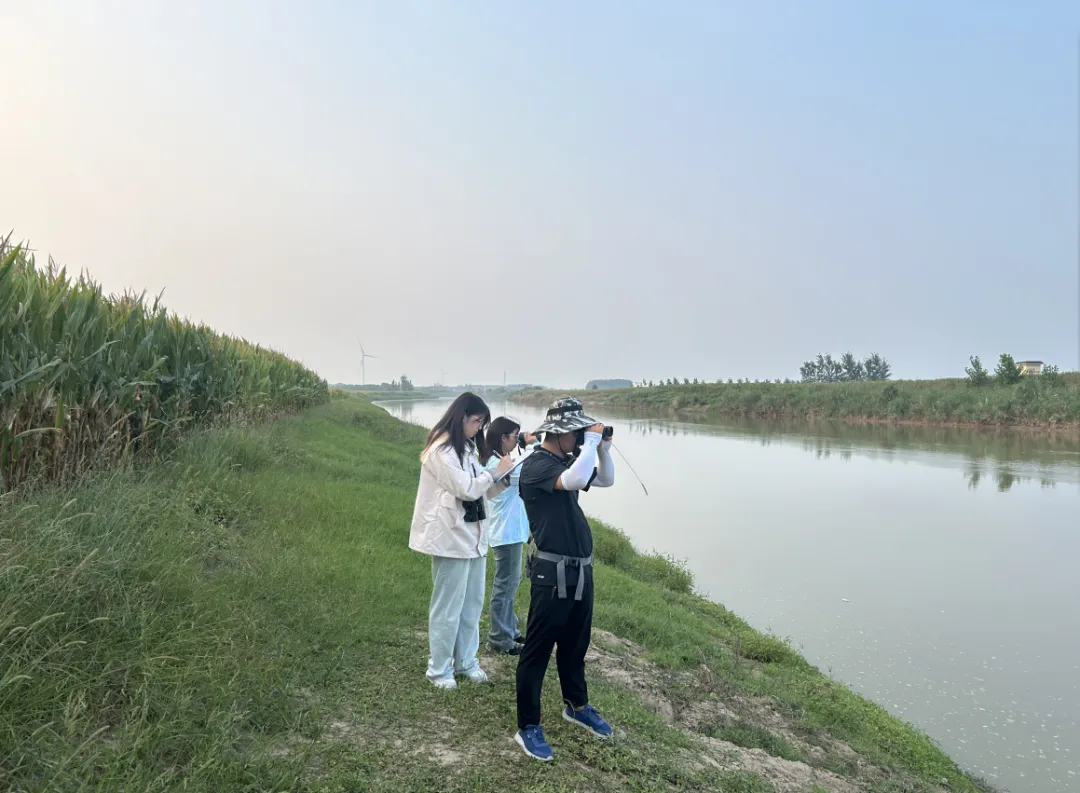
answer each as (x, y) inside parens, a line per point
(246, 617)
(1036, 401)
(382, 396)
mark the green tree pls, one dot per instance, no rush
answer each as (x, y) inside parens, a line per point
(1007, 371)
(854, 371)
(977, 374)
(829, 371)
(877, 368)
(825, 369)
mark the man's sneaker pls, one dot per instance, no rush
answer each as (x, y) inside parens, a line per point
(532, 740)
(519, 639)
(514, 650)
(588, 718)
(447, 682)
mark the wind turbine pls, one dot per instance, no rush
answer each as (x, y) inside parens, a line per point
(363, 359)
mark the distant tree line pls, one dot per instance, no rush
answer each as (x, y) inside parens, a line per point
(848, 369)
(686, 381)
(1007, 372)
(404, 384)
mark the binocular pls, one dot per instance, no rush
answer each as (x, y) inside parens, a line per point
(474, 511)
(579, 435)
(609, 431)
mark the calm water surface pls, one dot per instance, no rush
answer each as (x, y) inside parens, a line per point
(932, 570)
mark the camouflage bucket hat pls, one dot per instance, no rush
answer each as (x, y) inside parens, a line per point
(565, 416)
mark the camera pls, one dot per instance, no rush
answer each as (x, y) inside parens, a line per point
(609, 431)
(474, 510)
(521, 441)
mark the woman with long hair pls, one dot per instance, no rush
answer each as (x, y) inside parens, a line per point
(508, 530)
(448, 525)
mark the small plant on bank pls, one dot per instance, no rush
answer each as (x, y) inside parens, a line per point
(1007, 372)
(977, 374)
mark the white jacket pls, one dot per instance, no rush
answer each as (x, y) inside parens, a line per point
(438, 524)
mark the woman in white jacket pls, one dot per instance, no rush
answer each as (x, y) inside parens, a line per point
(448, 525)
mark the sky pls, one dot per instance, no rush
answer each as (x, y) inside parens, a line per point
(562, 191)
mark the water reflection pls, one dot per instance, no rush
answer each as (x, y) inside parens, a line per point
(1000, 443)
(1010, 456)
(1005, 477)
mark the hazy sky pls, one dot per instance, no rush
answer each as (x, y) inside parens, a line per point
(562, 190)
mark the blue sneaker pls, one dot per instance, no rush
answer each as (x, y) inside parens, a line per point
(588, 718)
(532, 740)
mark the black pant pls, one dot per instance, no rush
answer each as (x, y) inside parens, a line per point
(553, 621)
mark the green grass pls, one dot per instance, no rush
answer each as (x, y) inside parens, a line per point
(1036, 400)
(339, 392)
(246, 616)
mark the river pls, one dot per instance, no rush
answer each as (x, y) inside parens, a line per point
(933, 570)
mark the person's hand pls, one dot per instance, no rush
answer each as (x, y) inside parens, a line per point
(505, 464)
(597, 428)
(530, 439)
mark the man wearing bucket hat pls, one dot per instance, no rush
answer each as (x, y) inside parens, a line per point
(574, 456)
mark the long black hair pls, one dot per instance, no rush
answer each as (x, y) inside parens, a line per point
(452, 425)
(499, 427)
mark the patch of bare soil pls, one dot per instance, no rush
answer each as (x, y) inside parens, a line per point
(348, 729)
(786, 776)
(621, 662)
(618, 661)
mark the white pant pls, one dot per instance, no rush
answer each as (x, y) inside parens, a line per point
(457, 599)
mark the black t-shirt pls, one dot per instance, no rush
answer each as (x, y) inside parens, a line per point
(556, 522)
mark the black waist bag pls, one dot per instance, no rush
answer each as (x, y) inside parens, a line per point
(545, 572)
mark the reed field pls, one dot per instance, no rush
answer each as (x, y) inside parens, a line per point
(87, 378)
(1046, 401)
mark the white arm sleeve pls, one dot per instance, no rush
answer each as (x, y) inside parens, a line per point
(580, 472)
(605, 470)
